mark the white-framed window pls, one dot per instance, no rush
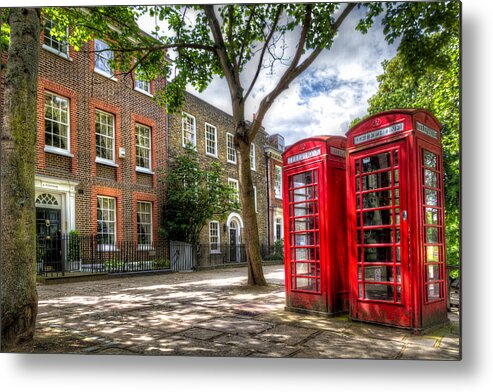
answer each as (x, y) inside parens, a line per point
(278, 232)
(143, 147)
(252, 157)
(102, 57)
(255, 197)
(57, 123)
(105, 137)
(210, 140)
(230, 148)
(144, 223)
(56, 45)
(189, 133)
(106, 212)
(141, 84)
(232, 183)
(214, 237)
(278, 182)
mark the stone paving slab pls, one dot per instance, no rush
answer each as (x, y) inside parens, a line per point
(214, 313)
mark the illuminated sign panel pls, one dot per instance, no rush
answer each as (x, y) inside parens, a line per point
(426, 130)
(304, 155)
(337, 152)
(366, 137)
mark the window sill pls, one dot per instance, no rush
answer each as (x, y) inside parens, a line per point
(215, 252)
(211, 155)
(58, 53)
(233, 163)
(144, 92)
(105, 74)
(278, 197)
(143, 170)
(58, 151)
(106, 162)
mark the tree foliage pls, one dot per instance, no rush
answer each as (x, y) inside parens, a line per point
(425, 73)
(194, 196)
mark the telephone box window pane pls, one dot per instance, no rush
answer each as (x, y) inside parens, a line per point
(375, 181)
(378, 255)
(397, 217)
(304, 209)
(305, 254)
(396, 197)
(379, 274)
(433, 291)
(360, 290)
(377, 217)
(308, 269)
(357, 167)
(432, 235)
(396, 177)
(376, 162)
(377, 199)
(432, 254)
(397, 236)
(429, 159)
(382, 292)
(307, 284)
(433, 272)
(357, 201)
(357, 184)
(431, 197)
(308, 223)
(304, 239)
(430, 178)
(303, 194)
(396, 158)
(398, 274)
(378, 236)
(431, 216)
(302, 179)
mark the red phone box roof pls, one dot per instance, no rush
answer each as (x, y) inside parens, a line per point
(393, 124)
(313, 147)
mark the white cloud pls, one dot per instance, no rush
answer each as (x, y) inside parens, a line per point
(326, 97)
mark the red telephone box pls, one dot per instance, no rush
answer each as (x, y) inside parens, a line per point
(314, 192)
(395, 213)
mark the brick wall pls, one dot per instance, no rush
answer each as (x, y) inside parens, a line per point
(88, 91)
(206, 113)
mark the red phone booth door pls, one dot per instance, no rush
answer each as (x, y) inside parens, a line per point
(304, 273)
(379, 258)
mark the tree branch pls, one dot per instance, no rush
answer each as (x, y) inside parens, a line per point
(261, 60)
(247, 34)
(294, 70)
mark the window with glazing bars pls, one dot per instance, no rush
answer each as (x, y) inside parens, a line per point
(57, 121)
(143, 146)
(304, 231)
(378, 227)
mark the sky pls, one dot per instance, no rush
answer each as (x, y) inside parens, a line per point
(327, 96)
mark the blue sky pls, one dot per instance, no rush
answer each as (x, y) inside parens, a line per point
(326, 97)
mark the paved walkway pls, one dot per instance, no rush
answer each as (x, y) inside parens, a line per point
(213, 313)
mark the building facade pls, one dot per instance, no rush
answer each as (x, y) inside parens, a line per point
(273, 154)
(211, 132)
(101, 149)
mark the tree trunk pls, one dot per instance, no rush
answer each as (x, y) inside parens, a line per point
(250, 231)
(18, 151)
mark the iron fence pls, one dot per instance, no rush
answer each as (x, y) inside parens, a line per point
(57, 255)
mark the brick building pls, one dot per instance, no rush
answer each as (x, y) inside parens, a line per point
(101, 148)
(273, 152)
(211, 130)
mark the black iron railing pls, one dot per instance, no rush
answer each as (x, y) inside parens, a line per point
(61, 254)
(57, 255)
